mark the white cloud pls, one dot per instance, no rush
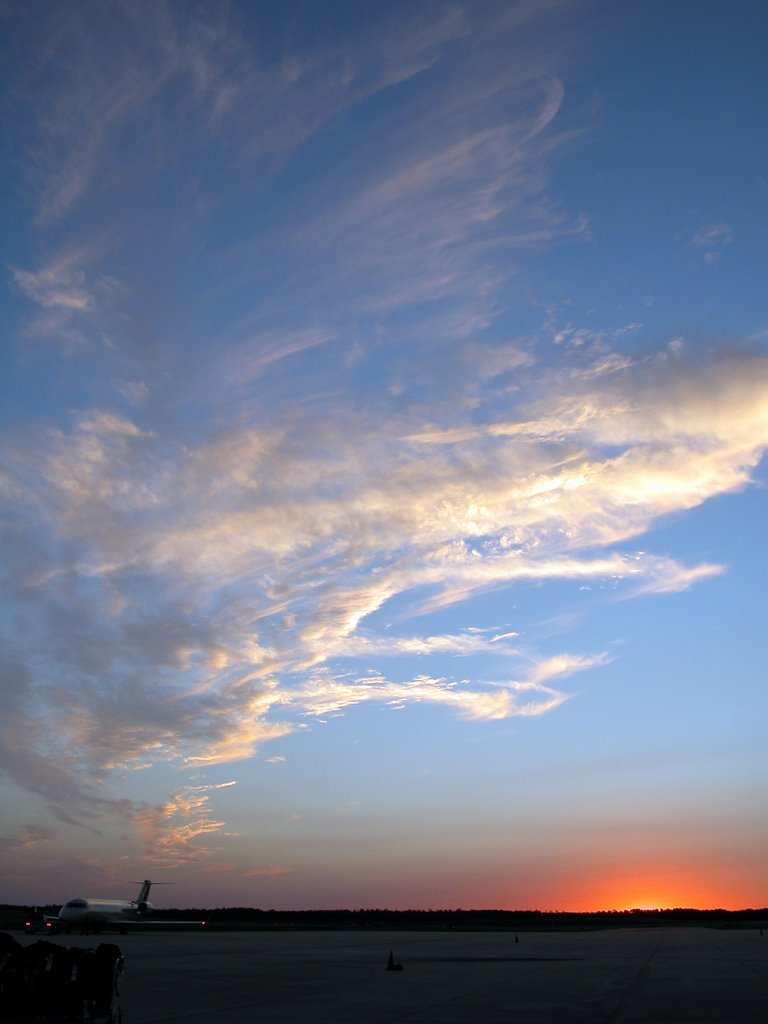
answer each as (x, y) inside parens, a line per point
(60, 284)
(712, 239)
(311, 541)
(136, 391)
(171, 830)
(325, 695)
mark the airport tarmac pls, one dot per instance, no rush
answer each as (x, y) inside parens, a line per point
(621, 976)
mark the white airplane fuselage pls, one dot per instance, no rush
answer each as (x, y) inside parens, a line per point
(95, 912)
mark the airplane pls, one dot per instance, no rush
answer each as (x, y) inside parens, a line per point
(94, 914)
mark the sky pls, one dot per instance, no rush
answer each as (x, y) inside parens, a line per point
(383, 417)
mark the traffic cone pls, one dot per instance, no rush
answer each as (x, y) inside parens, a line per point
(391, 965)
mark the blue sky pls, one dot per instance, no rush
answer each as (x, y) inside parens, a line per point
(384, 407)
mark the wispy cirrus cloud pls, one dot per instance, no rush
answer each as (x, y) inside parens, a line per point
(423, 232)
(115, 64)
(267, 872)
(28, 838)
(325, 695)
(247, 360)
(712, 240)
(171, 829)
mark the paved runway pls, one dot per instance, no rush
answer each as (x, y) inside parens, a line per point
(623, 976)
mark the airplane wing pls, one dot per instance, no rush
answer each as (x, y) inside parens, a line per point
(53, 925)
(146, 926)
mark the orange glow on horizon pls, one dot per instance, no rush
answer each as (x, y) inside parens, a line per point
(662, 888)
(658, 893)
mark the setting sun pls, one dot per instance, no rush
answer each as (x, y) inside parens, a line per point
(663, 890)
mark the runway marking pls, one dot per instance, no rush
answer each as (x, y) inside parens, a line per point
(634, 982)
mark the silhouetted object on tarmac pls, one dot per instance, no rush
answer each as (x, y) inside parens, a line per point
(46, 981)
(517, 939)
(391, 965)
(11, 970)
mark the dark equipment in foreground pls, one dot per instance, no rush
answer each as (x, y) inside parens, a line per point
(53, 984)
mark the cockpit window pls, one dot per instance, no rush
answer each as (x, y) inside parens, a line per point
(77, 903)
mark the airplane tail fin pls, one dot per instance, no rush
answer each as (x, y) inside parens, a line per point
(143, 905)
(143, 896)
